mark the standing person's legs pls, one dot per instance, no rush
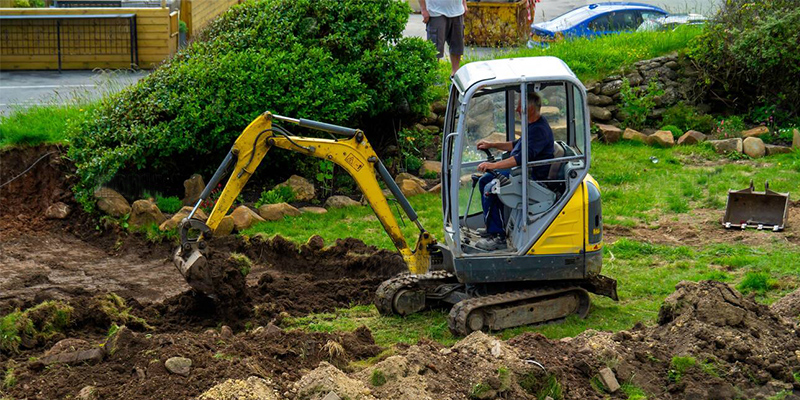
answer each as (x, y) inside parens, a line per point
(436, 28)
(455, 39)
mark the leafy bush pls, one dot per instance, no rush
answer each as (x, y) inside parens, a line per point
(169, 205)
(687, 118)
(731, 127)
(278, 194)
(676, 132)
(342, 62)
(636, 105)
(750, 53)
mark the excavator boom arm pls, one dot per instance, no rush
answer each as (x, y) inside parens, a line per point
(354, 154)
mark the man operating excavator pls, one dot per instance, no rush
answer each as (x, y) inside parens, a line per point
(540, 147)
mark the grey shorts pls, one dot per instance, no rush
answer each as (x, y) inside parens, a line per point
(451, 30)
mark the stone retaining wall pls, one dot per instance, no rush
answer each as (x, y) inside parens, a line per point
(674, 74)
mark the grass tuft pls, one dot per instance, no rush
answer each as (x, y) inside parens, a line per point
(242, 262)
(679, 366)
(633, 392)
(378, 378)
(758, 282)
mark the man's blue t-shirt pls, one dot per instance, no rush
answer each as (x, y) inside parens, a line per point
(540, 147)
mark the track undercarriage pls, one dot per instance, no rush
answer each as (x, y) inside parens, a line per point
(488, 306)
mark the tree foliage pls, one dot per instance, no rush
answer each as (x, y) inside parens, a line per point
(337, 61)
(750, 54)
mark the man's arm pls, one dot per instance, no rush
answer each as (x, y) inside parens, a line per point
(464, 2)
(425, 15)
(486, 145)
(509, 162)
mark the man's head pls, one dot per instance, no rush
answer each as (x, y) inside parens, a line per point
(534, 106)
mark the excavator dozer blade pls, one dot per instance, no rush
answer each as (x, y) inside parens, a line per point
(748, 208)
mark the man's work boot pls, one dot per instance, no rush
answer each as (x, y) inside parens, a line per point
(482, 232)
(492, 243)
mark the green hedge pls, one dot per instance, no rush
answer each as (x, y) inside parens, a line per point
(750, 54)
(337, 61)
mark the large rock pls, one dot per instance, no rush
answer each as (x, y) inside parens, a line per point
(405, 176)
(411, 188)
(275, 212)
(431, 167)
(757, 131)
(438, 107)
(254, 388)
(89, 356)
(244, 217)
(662, 139)
(176, 218)
(179, 365)
(796, 139)
(111, 202)
(727, 145)
(632, 134)
(340, 202)
(303, 189)
(611, 88)
(68, 345)
(775, 149)
(192, 188)
(225, 226)
(598, 100)
(57, 211)
(145, 212)
(550, 112)
(313, 210)
(691, 137)
(122, 339)
(436, 189)
(599, 113)
(609, 133)
(754, 147)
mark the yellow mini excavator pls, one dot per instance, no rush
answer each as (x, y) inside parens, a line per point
(553, 226)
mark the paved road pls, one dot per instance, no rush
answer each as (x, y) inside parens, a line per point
(25, 88)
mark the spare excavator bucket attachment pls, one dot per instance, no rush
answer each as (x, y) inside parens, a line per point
(761, 210)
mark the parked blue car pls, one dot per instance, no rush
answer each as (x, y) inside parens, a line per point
(593, 20)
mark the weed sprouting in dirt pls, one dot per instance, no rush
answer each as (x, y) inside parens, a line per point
(679, 366)
(633, 392)
(480, 391)
(541, 385)
(118, 312)
(378, 378)
(9, 379)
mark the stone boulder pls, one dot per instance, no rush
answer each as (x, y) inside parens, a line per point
(122, 339)
(225, 226)
(145, 212)
(796, 139)
(436, 189)
(192, 188)
(405, 176)
(111, 202)
(72, 351)
(599, 113)
(254, 388)
(57, 211)
(302, 188)
(772, 149)
(691, 137)
(609, 133)
(661, 139)
(632, 134)
(244, 217)
(275, 212)
(313, 210)
(550, 112)
(727, 145)
(340, 202)
(411, 188)
(753, 147)
(438, 107)
(176, 218)
(611, 88)
(431, 166)
(757, 131)
(598, 100)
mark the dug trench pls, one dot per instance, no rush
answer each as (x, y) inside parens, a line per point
(77, 281)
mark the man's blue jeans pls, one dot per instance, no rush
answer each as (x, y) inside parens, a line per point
(492, 206)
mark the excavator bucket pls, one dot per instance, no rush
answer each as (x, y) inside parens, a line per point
(761, 210)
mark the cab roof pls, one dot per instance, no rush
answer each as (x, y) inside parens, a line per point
(527, 69)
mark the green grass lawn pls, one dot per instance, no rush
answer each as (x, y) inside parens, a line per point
(41, 124)
(636, 192)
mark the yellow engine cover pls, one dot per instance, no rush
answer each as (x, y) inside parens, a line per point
(567, 234)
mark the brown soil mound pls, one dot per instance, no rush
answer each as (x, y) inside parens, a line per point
(136, 369)
(26, 198)
(788, 306)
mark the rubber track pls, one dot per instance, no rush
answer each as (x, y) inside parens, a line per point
(384, 296)
(457, 320)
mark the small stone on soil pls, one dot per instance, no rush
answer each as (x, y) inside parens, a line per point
(609, 380)
(88, 393)
(226, 332)
(331, 396)
(179, 365)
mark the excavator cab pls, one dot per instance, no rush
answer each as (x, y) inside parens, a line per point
(552, 221)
